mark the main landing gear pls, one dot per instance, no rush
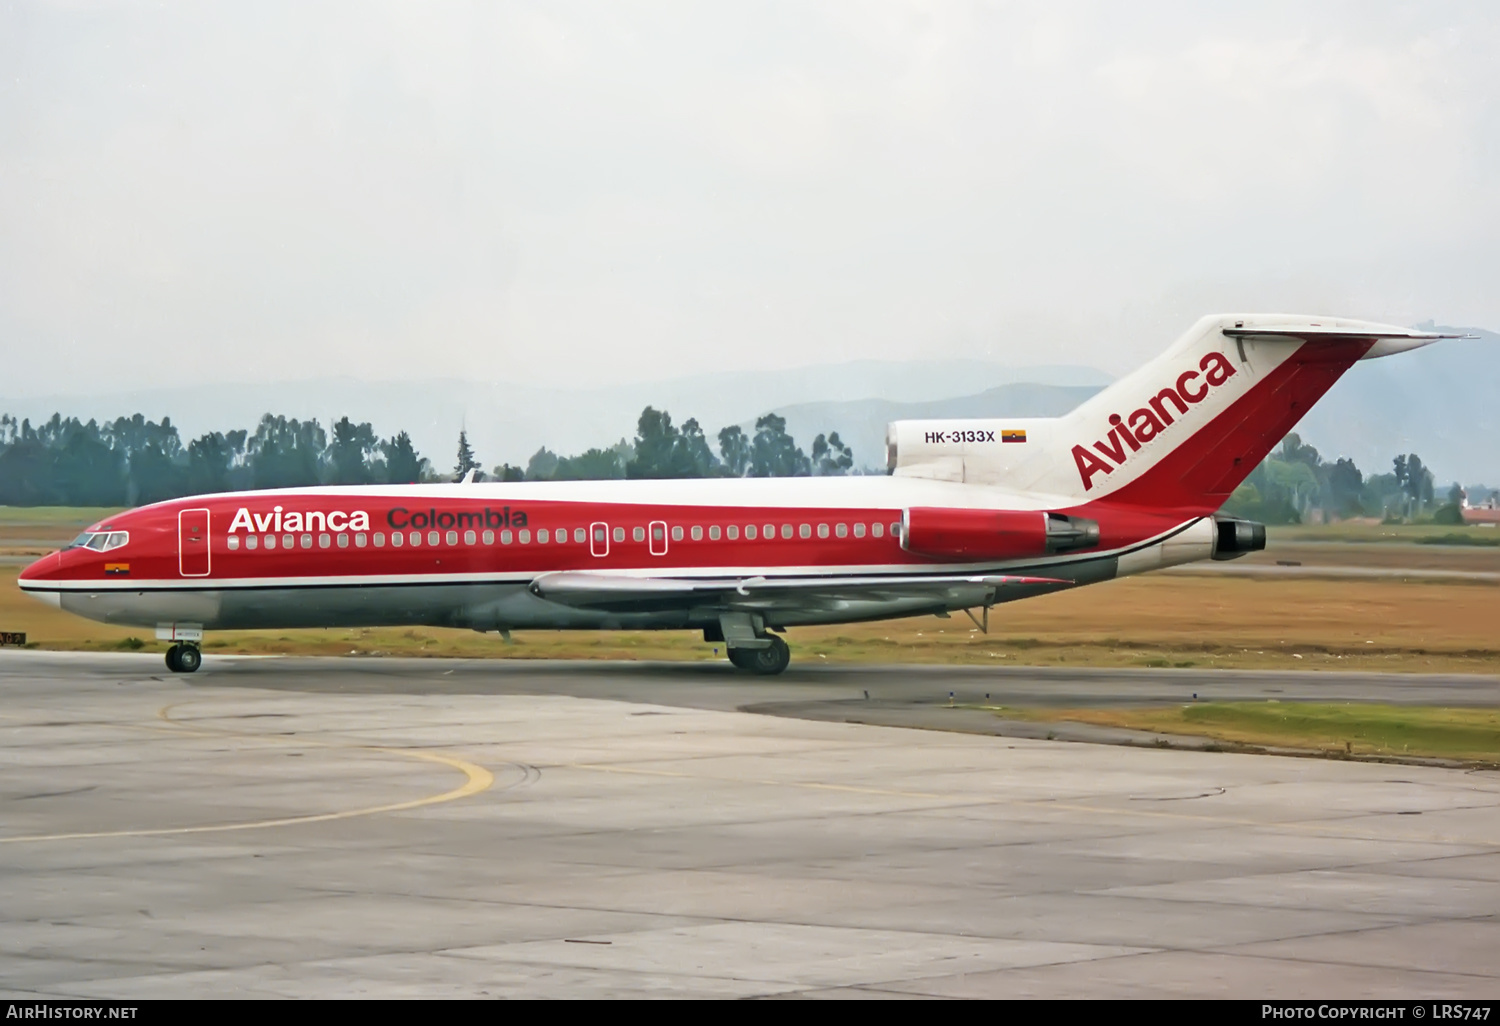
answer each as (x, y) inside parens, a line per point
(184, 657)
(767, 661)
(749, 645)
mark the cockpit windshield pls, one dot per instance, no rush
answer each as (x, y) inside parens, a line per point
(99, 541)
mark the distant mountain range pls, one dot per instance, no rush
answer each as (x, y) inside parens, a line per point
(1442, 403)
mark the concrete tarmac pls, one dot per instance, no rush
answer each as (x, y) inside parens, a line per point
(326, 828)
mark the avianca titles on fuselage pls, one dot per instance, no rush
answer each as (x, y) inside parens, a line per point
(977, 514)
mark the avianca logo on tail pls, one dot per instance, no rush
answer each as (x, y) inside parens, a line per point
(1152, 419)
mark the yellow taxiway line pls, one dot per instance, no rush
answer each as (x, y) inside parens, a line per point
(478, 779)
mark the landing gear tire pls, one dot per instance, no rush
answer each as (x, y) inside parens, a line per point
(767, 662)
(184, 658)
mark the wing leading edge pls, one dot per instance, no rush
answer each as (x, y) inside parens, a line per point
(630, 593)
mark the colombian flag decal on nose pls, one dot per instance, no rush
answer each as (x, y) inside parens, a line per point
(1013, 435)
(117, 569)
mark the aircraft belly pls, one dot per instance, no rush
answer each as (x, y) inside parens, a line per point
(477, 606)
(512, 606)
(143, 608)
(433, 605)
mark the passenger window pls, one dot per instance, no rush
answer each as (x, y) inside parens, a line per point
(749, 532)
(841, 530)
(505, 537)
(252, 540)
(397, 539)
(324, 541)
(770, 532)
(619, 534)
(270, 541)
(287, 541)
(677, 533)
(451, 538)
(822, 530)
(786, 530)
(359, 540)
(416, 538)
(307, 541)
(804, 531)
(233, 541)
(541, 536)
(579, 535)
(470, 537)
(732, 532)
(697, 533)
(876, 530)
(713, 533)
(433, 538)
(489, 537)
(378, 538)
(343, 540)
(859, 530)
(658, 533)
(638, 533)
(896, 529)
(524, 536)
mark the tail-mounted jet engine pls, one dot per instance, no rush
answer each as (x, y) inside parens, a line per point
(993, 534)
(1234, 537)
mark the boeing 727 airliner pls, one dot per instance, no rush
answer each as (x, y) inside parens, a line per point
(973, 513)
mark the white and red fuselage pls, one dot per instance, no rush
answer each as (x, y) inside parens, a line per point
(973, 513)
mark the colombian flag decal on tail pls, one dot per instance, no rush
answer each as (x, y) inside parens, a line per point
(1013, 435)
(117, 569)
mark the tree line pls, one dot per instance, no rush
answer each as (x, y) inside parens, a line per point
(132, 461)
(1295, 483)
(661, 449)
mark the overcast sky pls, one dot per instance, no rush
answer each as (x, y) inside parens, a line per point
(565, 192)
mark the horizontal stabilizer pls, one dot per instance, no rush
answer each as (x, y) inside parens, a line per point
(1312, 331)
(1383, 339)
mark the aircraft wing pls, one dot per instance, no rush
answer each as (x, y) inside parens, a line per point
(636, 593)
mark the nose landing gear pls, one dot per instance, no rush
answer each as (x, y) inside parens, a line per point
(184, 658)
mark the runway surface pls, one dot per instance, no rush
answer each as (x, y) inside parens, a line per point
(306, 827)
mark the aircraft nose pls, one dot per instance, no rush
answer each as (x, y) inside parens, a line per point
(42, 569)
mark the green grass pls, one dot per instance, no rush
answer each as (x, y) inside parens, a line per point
(1424, 534)
(1347, 728)
(1473, 538)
